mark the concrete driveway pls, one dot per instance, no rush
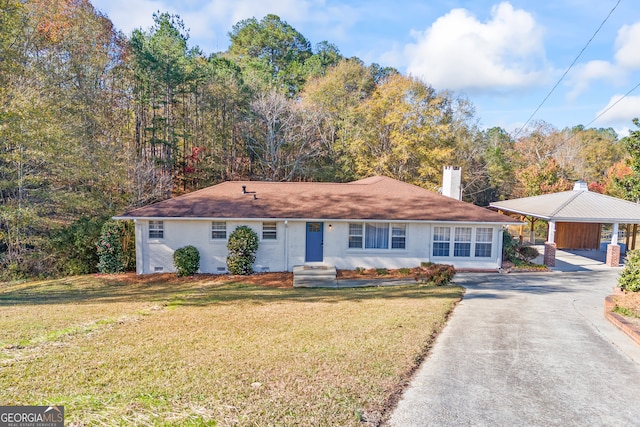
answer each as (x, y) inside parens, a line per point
(528, 349)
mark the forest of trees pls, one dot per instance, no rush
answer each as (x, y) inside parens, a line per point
(94, 122)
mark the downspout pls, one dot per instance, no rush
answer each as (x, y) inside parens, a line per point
(500, 245)
(286, 246)
(137, 228)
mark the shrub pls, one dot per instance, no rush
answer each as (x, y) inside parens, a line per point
(509, 247)
(527, 253)
(382, 271)
(629, 279)
(404, 271)
(110, 252)
(360, 270)
(437, 274)
(242, 246)
(186, 260)
(74, 246)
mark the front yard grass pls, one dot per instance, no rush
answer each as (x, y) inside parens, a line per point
(127, 350)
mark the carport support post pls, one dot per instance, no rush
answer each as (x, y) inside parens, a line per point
(550, 246)
(613, 249)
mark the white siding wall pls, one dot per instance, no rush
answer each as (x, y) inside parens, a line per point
(156, 255)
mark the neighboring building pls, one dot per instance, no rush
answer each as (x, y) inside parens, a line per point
(373, 222)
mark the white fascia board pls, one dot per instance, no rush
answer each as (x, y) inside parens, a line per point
(399, 221)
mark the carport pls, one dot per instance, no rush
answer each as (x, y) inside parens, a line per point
(575, 220)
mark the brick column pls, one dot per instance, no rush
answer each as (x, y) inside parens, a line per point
(550, 254)
(613, 255)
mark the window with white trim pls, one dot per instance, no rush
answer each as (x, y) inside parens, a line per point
(441, 241)
(355, 236)
(269, 231)
(398, 236)
(377, 235)
(218, 230)
(462, 242)
(156, 229)
(484, 240)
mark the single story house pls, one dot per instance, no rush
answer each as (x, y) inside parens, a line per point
(373, 222)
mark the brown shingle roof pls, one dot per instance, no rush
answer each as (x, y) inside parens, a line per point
(376, 198)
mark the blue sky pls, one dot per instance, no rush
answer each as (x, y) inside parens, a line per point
(503, 56)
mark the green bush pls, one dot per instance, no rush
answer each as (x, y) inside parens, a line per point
(382, 271)
(509, 247)
(109, 247)
(629, 279)
(527, 253)
(186, 260)
(74, 246)
(242, 246)
(404, 271)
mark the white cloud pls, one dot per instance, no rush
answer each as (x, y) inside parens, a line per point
(626, 59)
(592, 71)
(619, 111)
(461, 53)
(627, 46)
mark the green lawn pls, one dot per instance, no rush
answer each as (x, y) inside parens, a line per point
(127, 350)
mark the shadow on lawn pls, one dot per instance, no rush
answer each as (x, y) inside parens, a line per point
(171, 291)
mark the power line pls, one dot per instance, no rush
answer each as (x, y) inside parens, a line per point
(613, 105)
(567, 71)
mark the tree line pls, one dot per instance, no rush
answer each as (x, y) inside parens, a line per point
(94, 122)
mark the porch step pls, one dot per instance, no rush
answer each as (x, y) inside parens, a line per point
(321, 276)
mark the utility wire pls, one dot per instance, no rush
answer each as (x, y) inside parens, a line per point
(567, 71)
(613, 105)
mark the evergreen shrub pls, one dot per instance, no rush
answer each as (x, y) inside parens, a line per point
(186, 260)
(242, 246)
(629, 279)
(111, 258)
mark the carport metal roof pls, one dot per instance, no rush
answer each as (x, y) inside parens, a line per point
(579, 205)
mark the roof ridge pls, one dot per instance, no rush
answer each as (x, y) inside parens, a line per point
(562, 206)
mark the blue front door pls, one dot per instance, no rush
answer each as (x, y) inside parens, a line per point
(314, 242)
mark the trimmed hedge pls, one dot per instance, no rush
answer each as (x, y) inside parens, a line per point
(186, 260)
(242, 246)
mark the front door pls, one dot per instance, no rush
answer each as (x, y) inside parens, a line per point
(314, 242)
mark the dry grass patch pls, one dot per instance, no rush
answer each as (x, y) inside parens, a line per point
(628, 304)
(206, 351)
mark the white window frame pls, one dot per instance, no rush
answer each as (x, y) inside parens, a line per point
(487, 243)
(442, 241)
(270, 230)
(463, 242)
(358, 232)
(218, 227)
(156, 227)
(458, 237)
(399, 232)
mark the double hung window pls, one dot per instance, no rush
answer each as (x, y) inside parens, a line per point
(218, 230)
(484, 238)
(269, 231)
(462, 243)
(156, 229)
(441, 241)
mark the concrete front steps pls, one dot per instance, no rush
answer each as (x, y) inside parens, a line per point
(314, 276)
